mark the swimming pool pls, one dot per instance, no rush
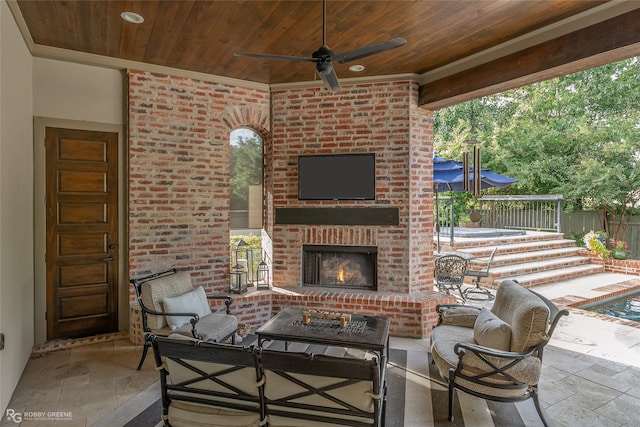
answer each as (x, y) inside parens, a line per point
(625, 307)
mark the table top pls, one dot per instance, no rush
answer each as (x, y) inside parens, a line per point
(362, 332)
(468, 257)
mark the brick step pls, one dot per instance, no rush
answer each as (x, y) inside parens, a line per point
(531, 249)
(550, 276)
(501, 259)
(533, 259)
(524, 268)
(462, 243)
(538, 256)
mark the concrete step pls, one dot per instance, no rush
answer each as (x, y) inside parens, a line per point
(550, 276)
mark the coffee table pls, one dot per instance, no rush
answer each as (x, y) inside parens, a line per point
(362, 332)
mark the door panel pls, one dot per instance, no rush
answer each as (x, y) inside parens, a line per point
(82, 234)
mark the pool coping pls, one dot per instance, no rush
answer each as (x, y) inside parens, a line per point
(612, 291)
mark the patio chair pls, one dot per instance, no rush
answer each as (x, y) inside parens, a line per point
(495, 354)
(479, 275)
(449, 272)
(171, 305)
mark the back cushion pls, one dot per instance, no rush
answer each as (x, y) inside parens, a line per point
(154, 291)
(190, 302)
(491, 331)
(527, 315)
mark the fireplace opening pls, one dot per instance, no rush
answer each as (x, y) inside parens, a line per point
(348, 267)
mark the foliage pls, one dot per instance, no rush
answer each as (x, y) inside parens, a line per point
(596, 242)
(577, 135)
(246, 169)
(463, 204)
(253, 242)
(619, 245)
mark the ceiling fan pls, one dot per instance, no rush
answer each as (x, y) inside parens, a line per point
(323, 57)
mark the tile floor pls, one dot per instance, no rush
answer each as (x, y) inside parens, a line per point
(591, 375)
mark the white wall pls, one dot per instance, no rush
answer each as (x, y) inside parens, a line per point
(16, 204)
(76, 96)
(66, 90)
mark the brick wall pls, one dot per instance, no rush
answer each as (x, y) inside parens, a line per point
(627, 266)
(381, 118)
(179, 172)
(179, 189)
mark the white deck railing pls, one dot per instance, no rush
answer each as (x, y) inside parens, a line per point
(539, 213)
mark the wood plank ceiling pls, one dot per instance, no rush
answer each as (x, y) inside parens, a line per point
(443, 37)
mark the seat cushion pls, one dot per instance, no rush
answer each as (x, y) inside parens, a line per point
(443, 339)
(213, 328)
(194, 301)
(185, 414)
(490, 331)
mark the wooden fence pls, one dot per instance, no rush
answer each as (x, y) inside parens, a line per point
(573, 224)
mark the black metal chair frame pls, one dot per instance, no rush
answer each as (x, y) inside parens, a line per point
(230, 358)
(289, 366)
(479, 275)
(498, 362)
(449, 273)
(137, 286)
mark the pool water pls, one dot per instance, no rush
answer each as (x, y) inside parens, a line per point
(627, 307)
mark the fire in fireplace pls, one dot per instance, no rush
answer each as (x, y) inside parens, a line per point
(352, 267)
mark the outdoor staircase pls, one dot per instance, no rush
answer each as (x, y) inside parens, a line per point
(532, 259)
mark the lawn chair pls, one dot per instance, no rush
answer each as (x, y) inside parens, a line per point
(479, 275)
(171, 305)
(450, 271)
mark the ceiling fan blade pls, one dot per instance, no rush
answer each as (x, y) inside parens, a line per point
(328, 75)
(275, 57)
(371, 49)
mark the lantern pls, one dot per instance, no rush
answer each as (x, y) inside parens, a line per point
(238, 280)
(243, 255)
(262, 276)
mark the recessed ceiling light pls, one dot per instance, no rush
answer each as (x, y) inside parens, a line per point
(356, 68)
(132, 17)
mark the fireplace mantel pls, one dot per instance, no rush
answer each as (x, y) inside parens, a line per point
(338, 216)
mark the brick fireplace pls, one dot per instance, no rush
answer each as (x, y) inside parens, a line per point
(178, 191)
(382, 119)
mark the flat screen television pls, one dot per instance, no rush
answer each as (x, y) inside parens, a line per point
(337, 177)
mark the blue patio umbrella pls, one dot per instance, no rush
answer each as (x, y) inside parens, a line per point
(453, 180)
(448, 175)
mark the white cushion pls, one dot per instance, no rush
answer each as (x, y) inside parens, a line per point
(490, 331)
(190, 302)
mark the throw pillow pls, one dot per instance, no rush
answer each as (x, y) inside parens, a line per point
(460, 316)
(190, 302)
(491, 331)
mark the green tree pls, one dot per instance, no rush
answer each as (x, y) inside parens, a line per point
(246, 169)
(577, 135)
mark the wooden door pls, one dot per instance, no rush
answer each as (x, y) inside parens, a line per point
(82, 232)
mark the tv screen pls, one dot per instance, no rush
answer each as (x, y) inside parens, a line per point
(337, 177)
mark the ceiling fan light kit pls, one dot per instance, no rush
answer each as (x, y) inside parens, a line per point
(323, 57)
